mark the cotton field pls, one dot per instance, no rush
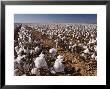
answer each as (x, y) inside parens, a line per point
(55, 49)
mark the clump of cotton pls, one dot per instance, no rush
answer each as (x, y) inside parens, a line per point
(18, 59)
(35, 71)
(58, 66)
(37, 49)
(53, 52)
(40, 61)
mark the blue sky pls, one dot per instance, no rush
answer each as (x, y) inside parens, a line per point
(55, 18)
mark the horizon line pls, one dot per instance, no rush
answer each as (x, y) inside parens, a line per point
(52, 23)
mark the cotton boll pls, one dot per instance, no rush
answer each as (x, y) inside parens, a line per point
(82, 54)
(95, 48)
(35, 71)
(37, 49)
(58, 66)
(20, 50)
(70, 47)
(17, 72)
(56, 41)
(19, 58)
(17, 49)
(52, 70)
(40, 62)
(22, 28)
(25, 50)
(30, 40)
(63, 38)
(86, 50)
(73, 45)
(41, 55)
(53, 52)
(70, 43)
(31, 51)
(60, 57)
(93, 56)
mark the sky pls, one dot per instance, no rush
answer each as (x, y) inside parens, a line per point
(55, 18)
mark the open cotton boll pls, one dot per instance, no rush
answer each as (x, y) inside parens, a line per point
(52, 70)
(95, 48)
(70, 43)
(25, 50)
(73, 45)
(30, 40)
(42, 55)
(93, 56)
(85, 47)
(70, 47)
(82, 54)
(17, 49)
(40, 62)
(35, 71)
(20, 50)
(19, 58)
(58, 66)
(60, 57)
(37, 49)
(92, 41)
(17, 72)
(22, 28)
(53, 52)
(31, 51)
(86, 50)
